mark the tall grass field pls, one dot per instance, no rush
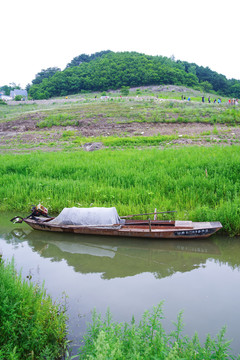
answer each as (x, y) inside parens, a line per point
(202, 184)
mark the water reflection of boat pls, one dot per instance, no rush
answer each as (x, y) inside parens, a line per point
(72, 244)
(116, 257)
(85, 248)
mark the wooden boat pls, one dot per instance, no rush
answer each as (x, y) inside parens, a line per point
(155, 229)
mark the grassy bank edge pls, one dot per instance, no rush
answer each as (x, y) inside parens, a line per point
(32, 326)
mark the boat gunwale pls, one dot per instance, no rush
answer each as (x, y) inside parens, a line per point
(125, 227)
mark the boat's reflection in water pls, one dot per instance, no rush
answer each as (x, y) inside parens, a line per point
(119, 257)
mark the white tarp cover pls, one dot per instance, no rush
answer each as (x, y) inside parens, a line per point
(87, 216)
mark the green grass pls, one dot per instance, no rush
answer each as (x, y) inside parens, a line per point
(31, 325)
(148, 340)
(202, 184)
(123, 141)
(58, 120)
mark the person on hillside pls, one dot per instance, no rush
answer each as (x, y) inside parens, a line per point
(215, 101)
(209, 99)
(189, 99)
(203, 99)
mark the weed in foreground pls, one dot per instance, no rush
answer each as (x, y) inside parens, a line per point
(106, 339)
(31, 325)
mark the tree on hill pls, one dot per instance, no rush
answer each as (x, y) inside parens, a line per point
(112, 71)
(45, 74)
(7, 88)
(78, 60)
(109, 70)
(218, 82)
(206, 86)
(235, 88)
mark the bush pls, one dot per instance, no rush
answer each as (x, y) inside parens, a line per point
(18, 98)
(31, 326)
(124, 90)
(2, 102)
(148, 340)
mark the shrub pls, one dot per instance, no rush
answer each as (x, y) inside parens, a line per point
(31, 325)
(124, 90)
(2, 102)
(18, 98)
(148, 340)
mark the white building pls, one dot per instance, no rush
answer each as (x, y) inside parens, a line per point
(5, 97)
(16, 92)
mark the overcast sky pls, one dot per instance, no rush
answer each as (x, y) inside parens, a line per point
(37, 34)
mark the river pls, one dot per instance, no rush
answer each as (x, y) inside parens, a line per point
(129, 276)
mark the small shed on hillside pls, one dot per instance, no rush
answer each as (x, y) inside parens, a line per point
(16, 92)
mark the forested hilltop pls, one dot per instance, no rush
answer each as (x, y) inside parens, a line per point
(107, 70)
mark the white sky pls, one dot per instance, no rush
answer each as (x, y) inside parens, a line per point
(37, 34)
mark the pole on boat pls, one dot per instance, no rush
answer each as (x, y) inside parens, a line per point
(149, 223)
(153, 213)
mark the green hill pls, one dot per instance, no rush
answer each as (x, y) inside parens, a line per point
(108, 70)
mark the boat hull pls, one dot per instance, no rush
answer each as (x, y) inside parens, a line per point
(180, 230)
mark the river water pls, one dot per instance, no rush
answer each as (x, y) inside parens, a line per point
(129, 276)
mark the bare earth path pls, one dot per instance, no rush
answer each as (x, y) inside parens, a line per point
(22, 133)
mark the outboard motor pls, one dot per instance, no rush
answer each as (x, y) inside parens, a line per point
(39, 210)
(36, 211)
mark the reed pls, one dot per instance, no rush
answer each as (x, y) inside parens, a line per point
(202, 184)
